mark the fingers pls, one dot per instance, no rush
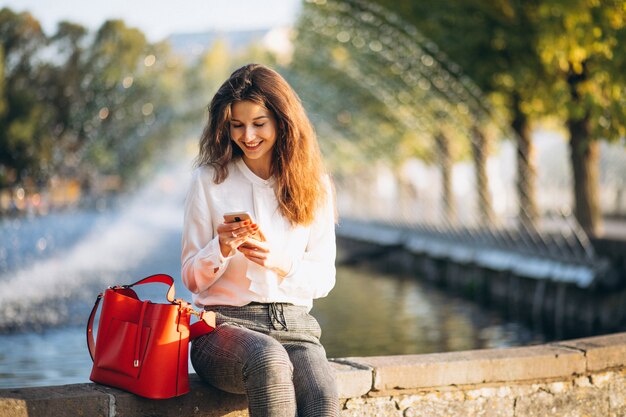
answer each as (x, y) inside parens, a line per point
(253, 243)
(234, 239)
(243, 232)
(255, 255)
(237, 229)
(233, 235)
(248, 248)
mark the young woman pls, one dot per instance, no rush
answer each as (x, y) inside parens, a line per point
(259, 154)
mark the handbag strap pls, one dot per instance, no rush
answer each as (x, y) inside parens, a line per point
(162, 278)
(91, 342)
(205, 325)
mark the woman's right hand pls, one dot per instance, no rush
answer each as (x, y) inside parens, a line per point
(233, 235)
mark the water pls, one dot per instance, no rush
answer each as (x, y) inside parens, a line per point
(372, 314)
(46, 296)
(54, 357)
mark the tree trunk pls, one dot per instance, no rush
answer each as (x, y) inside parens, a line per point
(479, 154)
(585, 158)
(526, 171)
(445, 163)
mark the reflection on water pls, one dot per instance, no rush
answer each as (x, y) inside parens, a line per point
(370, 314)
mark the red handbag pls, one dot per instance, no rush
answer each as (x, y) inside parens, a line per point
(143, 346)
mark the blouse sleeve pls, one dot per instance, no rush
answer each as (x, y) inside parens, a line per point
(202, 260)
(313, 276)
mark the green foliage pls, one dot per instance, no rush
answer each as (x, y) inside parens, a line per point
(102, 105)
(534, 52)
(581, 45)
(355, 121)
(493, 42)
(533, 60)
(20, 39)
(87, 106)
(3, 100)
(204, 75)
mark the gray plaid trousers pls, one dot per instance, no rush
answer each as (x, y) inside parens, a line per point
(272, 353)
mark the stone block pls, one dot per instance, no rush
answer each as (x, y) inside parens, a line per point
(602, 352)
(579, 402)
(58, 401)
(371, 407)
(617, 394)
(352, 380)
(473, 367)
(202, 401)
(456, 404)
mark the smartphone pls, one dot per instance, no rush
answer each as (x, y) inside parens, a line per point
(239, 216)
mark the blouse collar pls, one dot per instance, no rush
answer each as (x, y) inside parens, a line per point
(252, 177)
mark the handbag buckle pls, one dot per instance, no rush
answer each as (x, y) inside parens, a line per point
(184, 305)
(120, 287)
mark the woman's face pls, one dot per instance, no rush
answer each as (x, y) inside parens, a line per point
(253, 129)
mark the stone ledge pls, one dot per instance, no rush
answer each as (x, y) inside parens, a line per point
(61, 401)
(353, 380)
(473, 367)
(98, 400)
(362, 381)
(601, 352)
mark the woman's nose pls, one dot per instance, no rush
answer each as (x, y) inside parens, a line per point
(249, 133)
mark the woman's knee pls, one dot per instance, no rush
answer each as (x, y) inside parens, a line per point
(269, 360)
(318, 401)
(314, 392)
(317, 394)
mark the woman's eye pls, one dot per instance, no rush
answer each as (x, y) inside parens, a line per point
(259, 124)
(235, 126)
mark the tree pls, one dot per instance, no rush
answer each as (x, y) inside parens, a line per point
(129, 102)
(21, 38)
(494, 45)
(581, 46)
(66, 97)
(402, 78)
(445, 161)
(205, 75)
(535, 59)
(100, 106)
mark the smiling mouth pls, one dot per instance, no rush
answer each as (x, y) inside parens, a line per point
(252, 145)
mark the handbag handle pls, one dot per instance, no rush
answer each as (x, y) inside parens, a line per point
(162, 278)
(205, 325)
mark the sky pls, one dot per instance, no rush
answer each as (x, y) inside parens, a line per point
(159, 18)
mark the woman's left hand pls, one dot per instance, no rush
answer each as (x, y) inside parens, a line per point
(261, 253)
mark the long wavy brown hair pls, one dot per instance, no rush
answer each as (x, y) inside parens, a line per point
(296, 159)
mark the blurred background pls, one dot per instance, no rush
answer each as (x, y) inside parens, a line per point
(497, 124)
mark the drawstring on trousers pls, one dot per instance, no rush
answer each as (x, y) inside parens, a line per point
(275, 312)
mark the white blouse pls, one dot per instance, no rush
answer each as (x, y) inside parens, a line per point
(234, 280)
